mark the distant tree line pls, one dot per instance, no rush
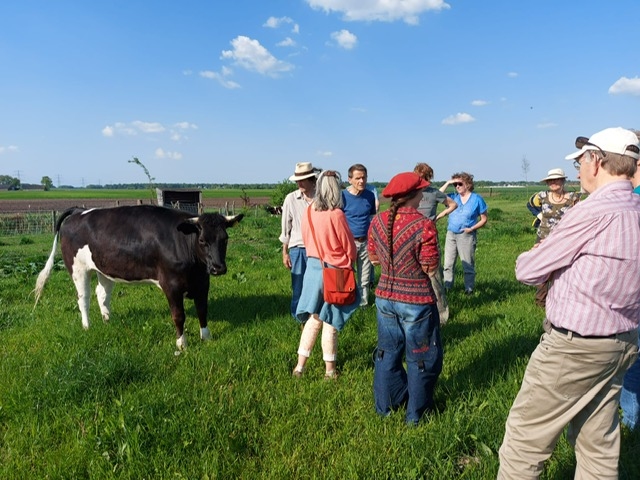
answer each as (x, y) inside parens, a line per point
(7, 182)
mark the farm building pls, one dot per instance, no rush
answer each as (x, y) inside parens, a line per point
(186, 199)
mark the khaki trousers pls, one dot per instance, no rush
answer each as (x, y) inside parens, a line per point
(569, 381)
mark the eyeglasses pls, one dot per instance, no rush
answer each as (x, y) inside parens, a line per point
(457, 184)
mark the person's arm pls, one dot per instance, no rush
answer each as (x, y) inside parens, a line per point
(557, 251)
(429, 252)
(450, 206)
(446, 184)
(479, 224)
(287, 223)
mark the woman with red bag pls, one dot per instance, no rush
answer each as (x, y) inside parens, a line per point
(335, 245)
(405, 245)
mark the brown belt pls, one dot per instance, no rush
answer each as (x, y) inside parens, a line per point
(360, 239)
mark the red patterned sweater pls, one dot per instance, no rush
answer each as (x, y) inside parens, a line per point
(414, 246)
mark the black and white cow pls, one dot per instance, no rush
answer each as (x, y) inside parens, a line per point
(169, 248)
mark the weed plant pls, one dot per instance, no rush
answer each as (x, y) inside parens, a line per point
(116, 402)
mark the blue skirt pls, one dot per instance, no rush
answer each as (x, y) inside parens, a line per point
(312, 299)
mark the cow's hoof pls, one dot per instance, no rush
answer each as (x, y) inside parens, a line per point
(205, 333)
(181, 342)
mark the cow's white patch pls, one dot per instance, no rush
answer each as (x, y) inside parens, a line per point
(205, 334)
(181, 342)
(83, 265)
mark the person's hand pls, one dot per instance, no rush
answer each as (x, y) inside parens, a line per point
(286, 259)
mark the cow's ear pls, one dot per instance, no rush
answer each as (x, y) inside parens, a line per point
(190, 226)
(231, 221)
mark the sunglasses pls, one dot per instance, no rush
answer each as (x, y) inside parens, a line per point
(457, 184)
(582, 141)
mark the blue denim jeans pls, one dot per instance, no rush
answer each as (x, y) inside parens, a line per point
(630, 395)
(412, 332)
(298, 256)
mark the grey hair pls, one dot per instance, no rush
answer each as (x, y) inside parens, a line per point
(328, 191)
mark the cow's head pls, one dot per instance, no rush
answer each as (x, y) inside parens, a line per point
(211, 244)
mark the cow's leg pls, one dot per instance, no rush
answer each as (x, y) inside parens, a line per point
(82, 280)
(176, 304)
(103, 293)
(201, 304)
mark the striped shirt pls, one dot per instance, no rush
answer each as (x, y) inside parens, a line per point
(592, 258)
(293, 208)
(414, 246)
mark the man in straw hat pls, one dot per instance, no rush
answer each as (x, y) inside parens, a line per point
(575, 374)
(294, 255)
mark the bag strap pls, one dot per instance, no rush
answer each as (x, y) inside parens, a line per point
(313, 232)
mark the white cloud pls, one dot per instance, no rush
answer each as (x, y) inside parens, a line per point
(9, 149)
(479, 103)
(345, 39)
(458, 118)
(287, 42)
(160, 153)
(625, 86)
(176, 132)
(221, 77)
(185, 126)
(381, 10)
(512, 74)
(148, 127)
(119, 128)
(186, 73)
(547, 125)
(277, 22)
(249, 54)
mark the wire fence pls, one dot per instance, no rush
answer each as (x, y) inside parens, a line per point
(28, 223)
(34, 222)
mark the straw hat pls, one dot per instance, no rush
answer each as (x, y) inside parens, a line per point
(554, 174)
(303, 170)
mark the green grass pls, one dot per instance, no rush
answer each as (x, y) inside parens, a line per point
(115, 402)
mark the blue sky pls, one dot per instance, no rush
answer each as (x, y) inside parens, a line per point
(238, 91)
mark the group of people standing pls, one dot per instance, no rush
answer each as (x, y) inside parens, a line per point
(322, 223)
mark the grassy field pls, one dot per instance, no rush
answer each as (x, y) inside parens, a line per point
(115, 402)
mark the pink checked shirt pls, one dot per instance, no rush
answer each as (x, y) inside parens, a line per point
(593, 260)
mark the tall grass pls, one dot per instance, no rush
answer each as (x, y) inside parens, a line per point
(115, 402)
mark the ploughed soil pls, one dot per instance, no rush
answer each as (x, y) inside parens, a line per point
(61, 205)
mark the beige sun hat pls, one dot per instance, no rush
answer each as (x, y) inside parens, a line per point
(303, 170)
(554, 174)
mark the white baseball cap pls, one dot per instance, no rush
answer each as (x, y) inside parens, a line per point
(615, 140)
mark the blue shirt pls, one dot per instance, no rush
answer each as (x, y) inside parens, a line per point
(358, 210)
(466, 215)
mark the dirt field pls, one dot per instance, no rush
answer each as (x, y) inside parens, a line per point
(7, 206)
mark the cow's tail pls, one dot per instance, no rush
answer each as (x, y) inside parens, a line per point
(43, 276)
